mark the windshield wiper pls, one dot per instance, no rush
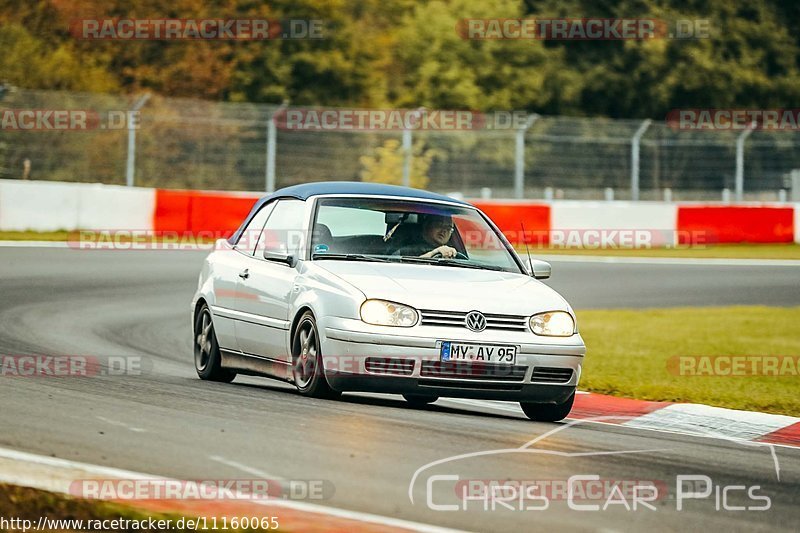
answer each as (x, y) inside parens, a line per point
(449, 262)
(349, 257)
(455, 262)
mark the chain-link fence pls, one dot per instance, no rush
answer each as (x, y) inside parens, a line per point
(195, 144)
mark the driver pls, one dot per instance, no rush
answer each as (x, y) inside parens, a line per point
(436, 233)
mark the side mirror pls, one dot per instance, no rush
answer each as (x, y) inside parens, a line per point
(280, 258)
(538, 269)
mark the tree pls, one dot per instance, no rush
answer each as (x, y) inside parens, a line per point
(386, 164)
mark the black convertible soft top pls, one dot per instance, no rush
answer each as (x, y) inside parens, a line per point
(307, 190)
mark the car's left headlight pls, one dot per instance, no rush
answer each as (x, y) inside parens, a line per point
(553, 324)
(383, 313)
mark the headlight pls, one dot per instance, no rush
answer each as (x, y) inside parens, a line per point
(382, 313)
(553, 324)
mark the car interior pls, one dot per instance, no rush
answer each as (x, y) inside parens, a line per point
(402, 229)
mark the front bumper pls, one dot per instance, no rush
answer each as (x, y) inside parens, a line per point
(547, 370)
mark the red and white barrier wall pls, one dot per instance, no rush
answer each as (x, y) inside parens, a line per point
(51, 206)
(54, 205)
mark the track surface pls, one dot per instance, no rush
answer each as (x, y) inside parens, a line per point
(167, 422)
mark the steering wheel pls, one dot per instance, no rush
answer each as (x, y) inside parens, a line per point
(459, 255)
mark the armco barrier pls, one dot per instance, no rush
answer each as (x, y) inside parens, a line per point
(732, 224)
(655, 222)
(195, 211)
(51, 206)
(511, 216)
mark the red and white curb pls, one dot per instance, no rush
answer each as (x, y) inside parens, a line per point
(679, 418)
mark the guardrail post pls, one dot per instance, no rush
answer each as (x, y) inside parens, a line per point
(130, 166)
(739, 182)
(635, 147)
(519, 157)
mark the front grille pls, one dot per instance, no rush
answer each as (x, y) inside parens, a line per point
(389, 365)
(472, 385)
(551, 375)
(457, 319)
(472, 371)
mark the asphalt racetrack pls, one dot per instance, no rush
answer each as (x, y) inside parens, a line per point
(366, 448)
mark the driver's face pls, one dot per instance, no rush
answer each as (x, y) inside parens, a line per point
(439, 231)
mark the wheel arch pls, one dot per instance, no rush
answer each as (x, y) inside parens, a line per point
(296, 321)
(197, 306)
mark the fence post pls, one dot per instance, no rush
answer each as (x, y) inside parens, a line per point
(519, 157)
(130, 167)
(635, 146)
(407, 156)
(272, 140)
(794, 176)
(740, 160)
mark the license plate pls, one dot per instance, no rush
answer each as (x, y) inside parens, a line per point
(484, 353)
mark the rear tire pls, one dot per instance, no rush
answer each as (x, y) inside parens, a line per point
(207, 359)
(548, 412)
(419, 400)
(307, 366)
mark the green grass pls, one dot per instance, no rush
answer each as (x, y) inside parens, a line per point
(721, 251)
(628, 353)
(34, 235)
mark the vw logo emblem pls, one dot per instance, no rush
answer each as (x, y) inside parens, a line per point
(475, 321)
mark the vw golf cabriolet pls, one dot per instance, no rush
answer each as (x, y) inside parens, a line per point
(344, 286)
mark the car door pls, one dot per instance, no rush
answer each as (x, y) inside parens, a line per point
(265, 292)
(228, 266)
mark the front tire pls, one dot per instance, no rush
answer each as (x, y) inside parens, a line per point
(307, 367)
(207, 359)
(548, 412)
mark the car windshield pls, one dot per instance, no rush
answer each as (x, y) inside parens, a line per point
(407, 231)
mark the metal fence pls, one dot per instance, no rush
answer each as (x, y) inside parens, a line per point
(195, 144)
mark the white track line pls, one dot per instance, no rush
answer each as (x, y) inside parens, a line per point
(120, 424)
(244, 468)
(57, 468)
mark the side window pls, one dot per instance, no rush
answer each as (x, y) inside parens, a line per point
(250, 236)
(283, 231)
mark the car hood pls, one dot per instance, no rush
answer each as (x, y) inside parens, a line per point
(448, 288)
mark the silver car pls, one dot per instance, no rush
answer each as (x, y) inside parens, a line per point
(343, 286)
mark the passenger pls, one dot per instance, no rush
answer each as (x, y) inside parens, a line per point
(436, 233)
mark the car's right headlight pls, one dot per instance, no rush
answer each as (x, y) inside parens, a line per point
(383, 313)
(553, 324)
